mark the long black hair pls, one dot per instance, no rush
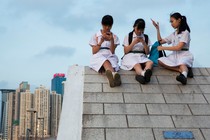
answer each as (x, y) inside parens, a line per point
(183, 25)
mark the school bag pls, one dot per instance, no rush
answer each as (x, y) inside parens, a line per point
(155, 54)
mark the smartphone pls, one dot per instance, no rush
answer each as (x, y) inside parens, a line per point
(139, 36)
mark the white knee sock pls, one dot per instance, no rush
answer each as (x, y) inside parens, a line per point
(113, 73)
(142, 73)
(184, 73)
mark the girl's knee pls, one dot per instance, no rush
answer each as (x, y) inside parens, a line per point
(149, 62)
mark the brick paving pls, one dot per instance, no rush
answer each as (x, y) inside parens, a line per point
(142, 112)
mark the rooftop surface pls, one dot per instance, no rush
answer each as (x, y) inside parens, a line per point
(143, 112)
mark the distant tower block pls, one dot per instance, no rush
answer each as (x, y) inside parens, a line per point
(56, 84)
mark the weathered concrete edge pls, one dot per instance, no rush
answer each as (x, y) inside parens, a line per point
(71, 117)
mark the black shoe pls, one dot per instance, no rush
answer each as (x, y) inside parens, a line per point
(110, 78)
(181, 78)
(140, 79)
(190, 72)
(117, 79)
(148, 75)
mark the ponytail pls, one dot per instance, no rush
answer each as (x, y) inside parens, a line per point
(183, 25)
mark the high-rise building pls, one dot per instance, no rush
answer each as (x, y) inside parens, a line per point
(23, 87)
(56, 84)
(55, 111)
(7, 111)
(42, 105)
(26, 118)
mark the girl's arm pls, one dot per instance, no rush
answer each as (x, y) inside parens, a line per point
(128, 48)
(161, 41)
(146, 48)
(172, 48)
(96, 48)
(113, 46)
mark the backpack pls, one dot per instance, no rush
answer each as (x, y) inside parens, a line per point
(130, 38)
(155, 54)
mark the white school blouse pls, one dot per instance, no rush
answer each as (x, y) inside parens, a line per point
(102, 55)
(131, 59)
(177, 58)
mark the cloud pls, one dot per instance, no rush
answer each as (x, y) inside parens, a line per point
(59, 51)
(82, 15)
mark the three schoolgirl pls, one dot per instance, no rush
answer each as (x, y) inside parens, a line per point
(137, 47)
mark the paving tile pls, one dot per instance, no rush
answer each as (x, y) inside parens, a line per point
(144, 98)
(191, 81)
(95, 79)
(92, 108)
(196, 71)
(104, 121)
(190, 88)
(88, 70)
(163, 71)
(184, 98)
(205, 88)
(206, 133)
(103, 97)
(167, 80)
(131, 79)
(129, 134)
(201, 80)
(123, 88)
(150, 121)
(159, 133)
(126, 72)
(170, 89)
(191, 121)
(208, 79)
(204, 71)
(151, 89)
(207, 96)
(125, 109)
(93, 134)
(168, 109)
(90, 87)
(200, 109)
(208, 69)
(128, 79)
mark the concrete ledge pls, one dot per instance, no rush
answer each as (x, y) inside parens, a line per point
(72, 109)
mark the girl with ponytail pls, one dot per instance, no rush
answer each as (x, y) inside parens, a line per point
(181, 59)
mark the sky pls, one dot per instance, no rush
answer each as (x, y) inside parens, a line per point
(41, 37)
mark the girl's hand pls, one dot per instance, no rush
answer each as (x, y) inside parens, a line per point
(160, 48)
(136, 40)
(108, 36)
(156, 24)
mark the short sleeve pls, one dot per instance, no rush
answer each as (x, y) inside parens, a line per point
(185, 37)
(93, 41)
(116, 40)
(169, 38)
(125, 42)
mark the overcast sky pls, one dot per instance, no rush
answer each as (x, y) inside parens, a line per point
(41, 37)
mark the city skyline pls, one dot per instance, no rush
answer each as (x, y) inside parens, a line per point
(24, 110)
(40, 38)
